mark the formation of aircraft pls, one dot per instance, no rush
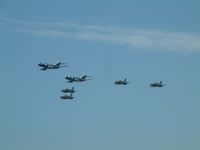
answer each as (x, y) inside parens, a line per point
(68, 90)
(46, 66)
(157, 84)
(83, 78)
(70, 97)
(77, 79)
(121, 82)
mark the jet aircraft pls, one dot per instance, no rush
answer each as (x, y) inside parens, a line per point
(67, 90)
(121, 82)
(70, 97)
(160, 84)
(77, 79)
(46, 66)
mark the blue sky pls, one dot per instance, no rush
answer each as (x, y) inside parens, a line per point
(144, 41)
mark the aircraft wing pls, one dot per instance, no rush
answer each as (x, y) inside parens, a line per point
(63, 66)
(88, 79)
(44, 68)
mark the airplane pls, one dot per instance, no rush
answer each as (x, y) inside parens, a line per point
(157, 84)
(121, 82)
(77, 79)
(70, 97)
(67, 90)
(46, 66)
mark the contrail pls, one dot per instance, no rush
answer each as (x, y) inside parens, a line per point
(154, 39)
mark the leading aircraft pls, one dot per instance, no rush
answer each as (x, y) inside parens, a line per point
(121, 82)
(67, 90)
(70, 97)
(77, 79)
(46, 66)
(157, 84)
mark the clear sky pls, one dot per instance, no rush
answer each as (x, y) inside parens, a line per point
(142, 40)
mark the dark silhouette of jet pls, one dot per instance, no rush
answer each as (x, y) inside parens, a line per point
(77, 79)
(46, 66)
(67, 90)
(70, 97)
(160, 84)
(121, 82)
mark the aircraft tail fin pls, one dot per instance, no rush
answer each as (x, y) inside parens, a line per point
(84, 76)
(72, 88)
(58, 63)
(125, 80)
